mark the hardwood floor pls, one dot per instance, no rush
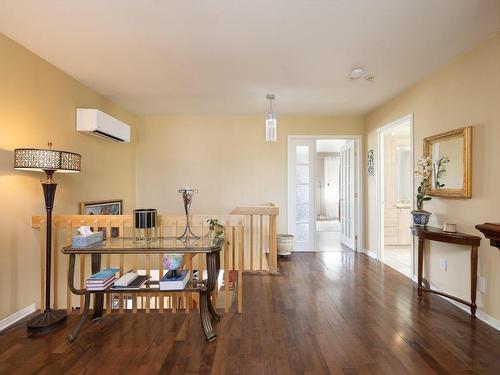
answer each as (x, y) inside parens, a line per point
(329, 313)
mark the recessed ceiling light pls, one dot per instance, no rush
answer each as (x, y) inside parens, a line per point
(356, 73)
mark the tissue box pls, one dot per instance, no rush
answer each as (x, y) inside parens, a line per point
(85, 241)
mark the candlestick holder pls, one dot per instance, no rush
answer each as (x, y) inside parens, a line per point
(187, 196)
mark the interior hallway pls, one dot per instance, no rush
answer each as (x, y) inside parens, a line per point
(328, 313)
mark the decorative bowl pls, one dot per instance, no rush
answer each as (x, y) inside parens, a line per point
(173, 262)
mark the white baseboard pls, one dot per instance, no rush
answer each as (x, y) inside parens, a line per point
(481, 315)
(17, 316)
(371, 254)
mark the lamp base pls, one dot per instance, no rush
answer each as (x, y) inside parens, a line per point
(46, 322)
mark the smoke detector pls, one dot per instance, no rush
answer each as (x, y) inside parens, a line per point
(356, 73)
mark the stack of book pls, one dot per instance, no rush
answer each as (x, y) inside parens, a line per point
(174, 282)
(101, 280)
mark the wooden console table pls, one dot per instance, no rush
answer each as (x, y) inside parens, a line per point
(190, 247)
(437, 234)
(492, 232)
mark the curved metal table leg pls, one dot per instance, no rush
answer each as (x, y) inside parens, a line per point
(213, 268)
(212, 310)
(72, 337)
(98, 297)
(205, 315)
(98, 306)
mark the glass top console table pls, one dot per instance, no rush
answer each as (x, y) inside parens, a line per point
(189, 246)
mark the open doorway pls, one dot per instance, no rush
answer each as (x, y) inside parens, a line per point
(328, 187)
(395, 195)
(324, 210)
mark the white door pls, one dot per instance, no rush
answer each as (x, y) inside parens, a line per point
(331, 189)
(348, 195)
(301, 169)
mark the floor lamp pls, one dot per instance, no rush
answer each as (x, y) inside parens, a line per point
(48, 161)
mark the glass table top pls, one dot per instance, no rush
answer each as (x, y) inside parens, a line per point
(127, 245)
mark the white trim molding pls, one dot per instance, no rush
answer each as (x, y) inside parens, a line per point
(371, 254)
(359, 227)
(17, 316)
(379, 171)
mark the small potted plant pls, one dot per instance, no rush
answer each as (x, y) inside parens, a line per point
(425, 169)
(424, 172)
(216, 230)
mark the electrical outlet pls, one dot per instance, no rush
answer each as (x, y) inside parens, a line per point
(481, 284)
(443, 264)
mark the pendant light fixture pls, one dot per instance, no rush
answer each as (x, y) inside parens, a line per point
(271, 123)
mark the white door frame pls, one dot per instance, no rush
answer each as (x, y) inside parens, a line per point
(358, 181)
(379, 181)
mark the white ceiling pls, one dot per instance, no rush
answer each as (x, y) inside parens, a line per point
(222, 57)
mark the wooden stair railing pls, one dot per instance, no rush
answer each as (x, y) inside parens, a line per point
(259, 216)
(237, 256)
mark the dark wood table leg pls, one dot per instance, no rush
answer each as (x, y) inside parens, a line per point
(98, 297)
(473, 280)
(420, 265)
(72, 337)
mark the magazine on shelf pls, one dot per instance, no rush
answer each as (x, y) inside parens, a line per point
(135, 284)
(126, 279)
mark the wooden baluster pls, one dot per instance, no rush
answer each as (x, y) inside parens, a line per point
(241, 240)
(148, 274)
(233, 248)
(273, 251)
(189, 267)
(135, 295)
(69, 240)
(122, 265)
(251, 243)
(201, 269)
(83, 259)
(171, 294)
(160, 268)
(160, 273)
(261, 241)
(43, 234)
(109, 297)
(227, 230)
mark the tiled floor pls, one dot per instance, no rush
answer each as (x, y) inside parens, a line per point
(328, 236)
(399, 258)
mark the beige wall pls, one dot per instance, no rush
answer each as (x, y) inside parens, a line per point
(37, 105)
(226, 158)
(464, 92)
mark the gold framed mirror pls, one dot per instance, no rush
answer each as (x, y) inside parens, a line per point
(451, 155)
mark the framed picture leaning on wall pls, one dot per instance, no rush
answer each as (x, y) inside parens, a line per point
(111, 207)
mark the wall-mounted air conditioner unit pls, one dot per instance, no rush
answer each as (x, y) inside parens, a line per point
(95, 122)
